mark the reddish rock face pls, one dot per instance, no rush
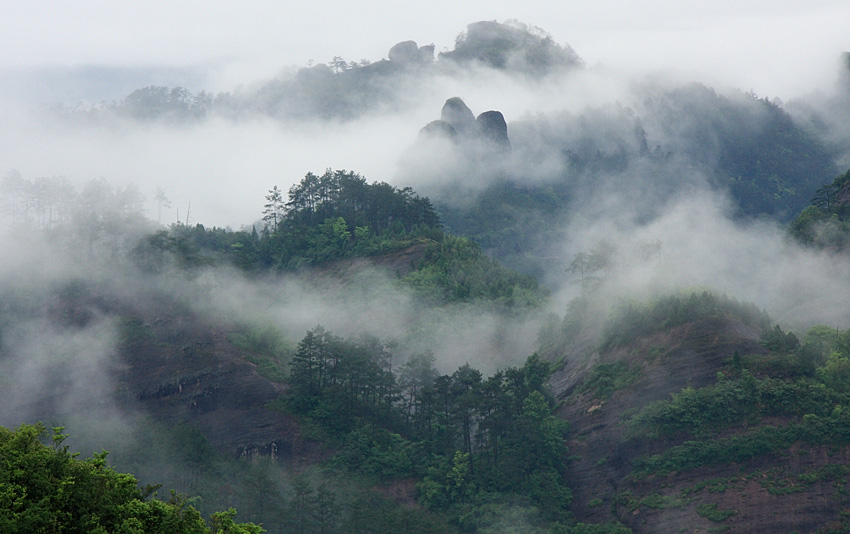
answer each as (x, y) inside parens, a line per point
(601, 473)
(178, 367)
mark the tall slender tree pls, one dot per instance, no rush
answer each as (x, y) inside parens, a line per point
(274, 207)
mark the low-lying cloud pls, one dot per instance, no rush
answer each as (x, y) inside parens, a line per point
(695, 243)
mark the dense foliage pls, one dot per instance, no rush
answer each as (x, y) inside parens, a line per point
(630, 320)
(454, 269)
(470, 441)
(339, 215)
(380, 207)
(511, 46)
(770, 402)
(336, 215)
(512, 222)
(825, 223)
(44, 488)
(748, 144)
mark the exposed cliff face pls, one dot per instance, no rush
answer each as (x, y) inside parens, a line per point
(603, 450)
(178, 367)
(184, 369)
(131, 357)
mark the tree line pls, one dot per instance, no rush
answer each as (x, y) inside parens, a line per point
(335, 215)
(338, 214)
(825, 222)
(98, 218)
(463, 436)
(380, 207)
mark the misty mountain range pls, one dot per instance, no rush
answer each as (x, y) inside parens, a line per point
(770, 157)
(546, 297)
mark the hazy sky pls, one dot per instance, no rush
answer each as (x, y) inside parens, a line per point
(776, 48)
(101, 50)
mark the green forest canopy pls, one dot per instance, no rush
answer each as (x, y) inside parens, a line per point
(45, 488)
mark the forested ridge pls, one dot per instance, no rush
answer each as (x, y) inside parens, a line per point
(474, 452)
(748, 147)
(824, 222)
(461, 435)
(482, 451)
(557, 328)
(720, 414)
(387, 424)
(336, 216)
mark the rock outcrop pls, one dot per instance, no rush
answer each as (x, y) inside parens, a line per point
(486, 135)
(404, 52)
(185, 370)
(408, 52)
(438, 128)
(457, 114)
(426, 53)
(492, 127)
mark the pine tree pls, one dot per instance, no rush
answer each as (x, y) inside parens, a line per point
(273, 212)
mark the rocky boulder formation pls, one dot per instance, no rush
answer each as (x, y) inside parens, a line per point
(487, 133)
(457, 114)
(426, 53)
(408, 52)
(404, 52)
(458, 148)
(492, 127)
(438, 128)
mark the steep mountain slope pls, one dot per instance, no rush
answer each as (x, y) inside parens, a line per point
(181, 368)
(569, 165)
(692, 428)
(686, 414)
(163, 334)
(825, 223)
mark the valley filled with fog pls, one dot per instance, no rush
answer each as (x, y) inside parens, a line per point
(177, 234)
